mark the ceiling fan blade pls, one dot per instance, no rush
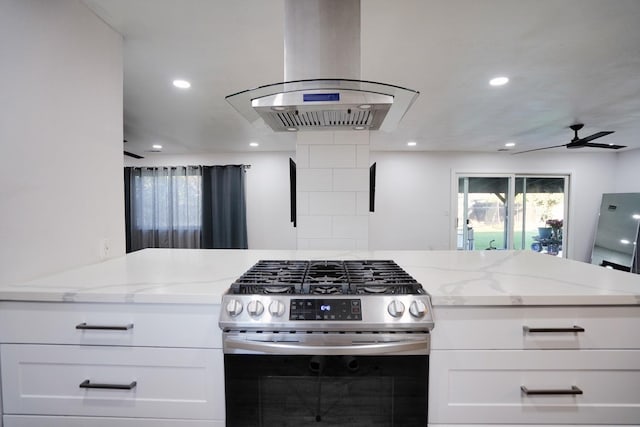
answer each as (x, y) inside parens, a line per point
(135, 156)
(594, 136)
(538, 149)
(609, 146)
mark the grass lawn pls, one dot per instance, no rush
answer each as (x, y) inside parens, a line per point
(483, 238)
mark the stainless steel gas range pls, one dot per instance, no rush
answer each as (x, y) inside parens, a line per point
(340, 343)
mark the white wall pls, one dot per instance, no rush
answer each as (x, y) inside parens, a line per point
(413, 193)
(61, 188)
(628, 172)
(267, 191)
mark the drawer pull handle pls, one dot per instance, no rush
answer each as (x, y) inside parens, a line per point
(84, 326)
(576, 329)
(88, 384)
(573, 390)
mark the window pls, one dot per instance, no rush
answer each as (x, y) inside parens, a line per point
(512, 211)
(186, 207)
(166, 207)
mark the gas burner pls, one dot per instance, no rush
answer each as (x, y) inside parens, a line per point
(325, 290)
(388, 289)
(374, 289)
(322, 280)
(256, 289)
(277, 289)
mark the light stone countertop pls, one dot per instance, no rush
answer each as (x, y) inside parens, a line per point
(192, 276)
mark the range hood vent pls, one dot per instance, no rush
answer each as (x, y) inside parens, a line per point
(322, 41)
(325, 104)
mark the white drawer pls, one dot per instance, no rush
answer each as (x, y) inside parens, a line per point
(478, 328)
(157, 325)
(469, 386)
(40, 421)
(169, 383)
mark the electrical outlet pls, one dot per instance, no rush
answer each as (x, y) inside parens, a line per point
(105, 248)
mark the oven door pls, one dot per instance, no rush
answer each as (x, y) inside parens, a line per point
(332, 379)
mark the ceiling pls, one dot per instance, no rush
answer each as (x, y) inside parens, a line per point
(568, 61)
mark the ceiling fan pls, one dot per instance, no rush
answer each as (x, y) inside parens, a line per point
(578, 142)
(130, 154)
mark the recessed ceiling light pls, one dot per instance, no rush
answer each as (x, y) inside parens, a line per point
(292, 129)
(253, 144)
(156, 147)
(364, 106)
(635, 216)
(412, 143)
(499, 81)
(624, 241)
(510, 144)
(182, 84)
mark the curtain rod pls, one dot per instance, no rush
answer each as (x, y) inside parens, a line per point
(188, 166)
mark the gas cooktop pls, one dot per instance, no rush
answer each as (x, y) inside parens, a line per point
(326, 278)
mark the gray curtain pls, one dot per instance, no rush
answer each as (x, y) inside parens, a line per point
(163, 207)
(224, 210)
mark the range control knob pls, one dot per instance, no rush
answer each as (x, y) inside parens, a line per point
(395, 308)
(234, 307)
(255, 308)
(276, 308)
(417, 309)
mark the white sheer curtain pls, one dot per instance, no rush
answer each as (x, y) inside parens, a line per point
(166, 207)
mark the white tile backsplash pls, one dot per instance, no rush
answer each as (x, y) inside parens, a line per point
(313, 137)
(332, 156)
(362, 244)
(314, 227)
(314, 180)
(302, 156)
(303, 244)
(362, 156)
(351, 137)
(302, 203)
(332, 203)
(322, 244)
(351, 227)
(362, 203)
(333, 190)
(351, 179)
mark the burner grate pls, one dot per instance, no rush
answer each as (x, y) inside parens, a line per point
(329, 277)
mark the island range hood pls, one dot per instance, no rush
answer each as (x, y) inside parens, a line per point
(322, 88)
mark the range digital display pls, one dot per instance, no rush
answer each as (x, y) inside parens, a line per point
(318, 97)
(325, 309)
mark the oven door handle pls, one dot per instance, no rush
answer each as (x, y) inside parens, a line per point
(408, 347)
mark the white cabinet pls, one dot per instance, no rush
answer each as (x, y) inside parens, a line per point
(516, 328)
(155, 325)
(40, 421)
(535, 366)
(75, 380)
(602, 387)
(111, 364)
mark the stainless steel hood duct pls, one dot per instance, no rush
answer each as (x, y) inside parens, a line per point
(322, 90)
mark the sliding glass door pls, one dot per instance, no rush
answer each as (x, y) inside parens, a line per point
(524, 212)
(541, 224)
(482, 212)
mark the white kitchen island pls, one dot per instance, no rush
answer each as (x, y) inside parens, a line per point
(508, 325)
